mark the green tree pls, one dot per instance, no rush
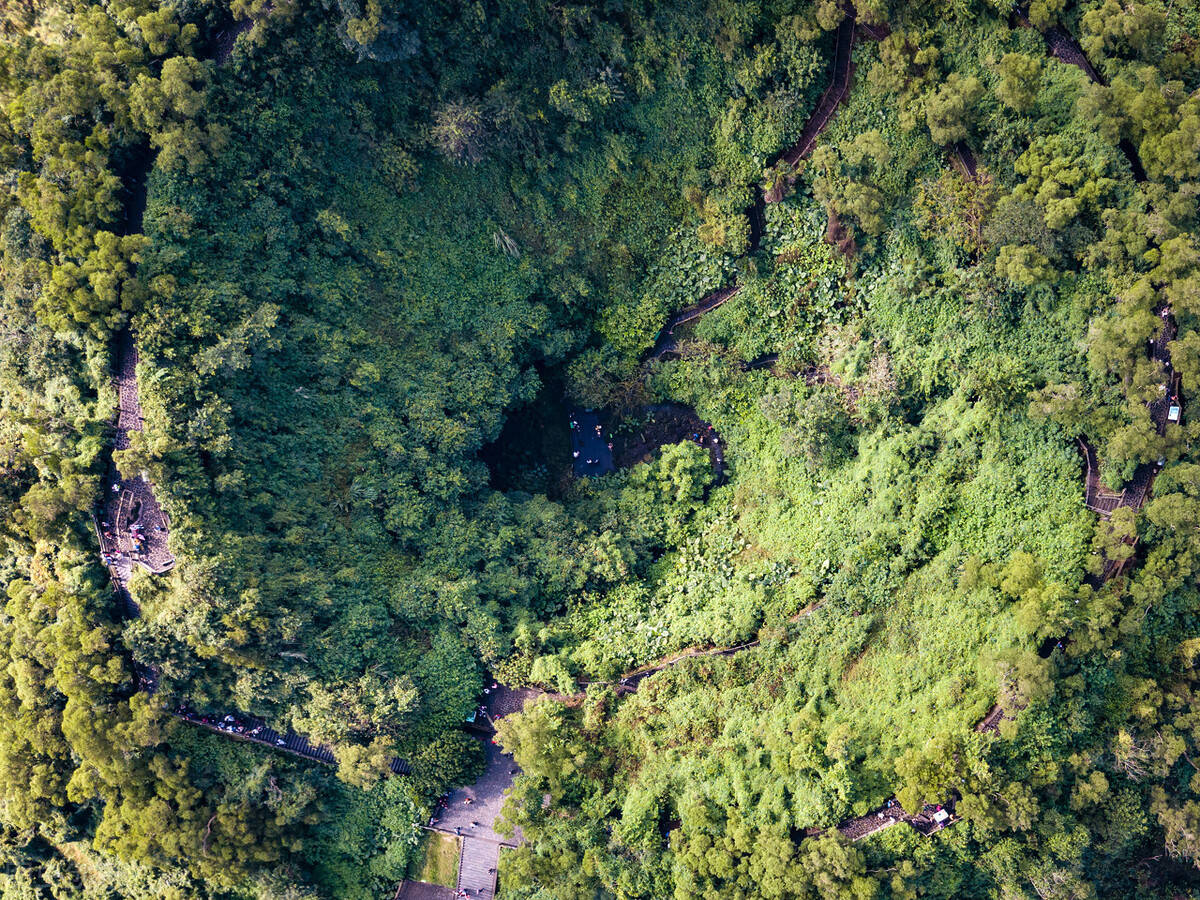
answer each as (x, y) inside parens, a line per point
(460, 132)
(1020, 77)
(951, 110)
(169, 108)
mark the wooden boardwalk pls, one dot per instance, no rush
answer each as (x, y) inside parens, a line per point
(841, 71)
(134, 502)
(991, 722)
(1061, 44)
(966, 159)
(242, 727)
(1099, 497)
(667, 344)
(419, 890)
(1104, 501)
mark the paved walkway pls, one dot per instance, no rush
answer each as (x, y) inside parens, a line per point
(472, 811)
(480, 802)
(477, 866)
(132, 528)
(419, 890)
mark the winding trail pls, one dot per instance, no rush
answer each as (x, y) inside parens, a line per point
(1164, 410)
(842, 69)
(666, 344)
(1167, 407)
(132, 528)
(629, 682)
(1061, 44)
(1098, 498)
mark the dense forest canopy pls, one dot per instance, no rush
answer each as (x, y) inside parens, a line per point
(374, 252)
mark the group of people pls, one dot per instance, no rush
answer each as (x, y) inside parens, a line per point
(138, 537)
(886, 812)
(936, 814)
(442, 803)
(703, 439)
(137, 534)
(588, 460)
(228, 723)
(109, 559)
(599, 433)
(939, 816)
